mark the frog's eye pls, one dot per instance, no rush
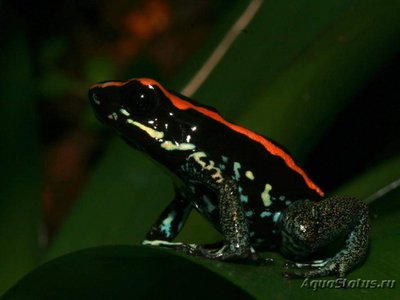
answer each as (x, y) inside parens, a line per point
(95, 98)
(141, 101)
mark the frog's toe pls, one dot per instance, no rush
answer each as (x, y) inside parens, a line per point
(267, 261)
(291, 274)
(318, 272)
(318, 269)
(225, 253)
(254, 258)
(312, 264)
(191, 249)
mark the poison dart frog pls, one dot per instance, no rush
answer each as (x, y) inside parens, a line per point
(248, 187)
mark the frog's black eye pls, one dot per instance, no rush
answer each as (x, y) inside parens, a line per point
(140, 101)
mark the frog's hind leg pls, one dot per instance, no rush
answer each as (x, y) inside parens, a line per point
(312, 225)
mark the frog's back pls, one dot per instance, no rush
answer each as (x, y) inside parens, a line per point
(258, 170)
(267, 185)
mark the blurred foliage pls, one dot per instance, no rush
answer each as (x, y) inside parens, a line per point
(20, 169)
(301, 73)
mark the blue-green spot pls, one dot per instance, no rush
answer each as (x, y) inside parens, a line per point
(265, 214)
(243, 198)
(249, 213)
(166, 224)
(276, 216)
(236, 167)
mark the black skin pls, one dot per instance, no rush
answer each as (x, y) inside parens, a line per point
(250, 195)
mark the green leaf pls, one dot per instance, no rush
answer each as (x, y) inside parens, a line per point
(368, 183)
(123, 272)
(278, 34)
(297, 105)
(19, 160)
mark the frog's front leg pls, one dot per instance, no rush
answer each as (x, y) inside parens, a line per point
(308, 226)
(170, 222)
(236, 244)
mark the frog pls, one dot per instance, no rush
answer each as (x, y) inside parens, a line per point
(247, 186)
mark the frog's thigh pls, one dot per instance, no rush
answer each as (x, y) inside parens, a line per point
(335, 217)
(171, 220)
(349, 216)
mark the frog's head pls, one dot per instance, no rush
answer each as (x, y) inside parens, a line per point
(115, 102)
(141, 110)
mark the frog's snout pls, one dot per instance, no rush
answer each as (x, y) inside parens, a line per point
(97, 101)
(94, 97)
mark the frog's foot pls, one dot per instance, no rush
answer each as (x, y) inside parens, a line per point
(339, 265)
(225, 253)
(231, 254)
(316, 268)
(311, 264)
(187, 248)
(191, 249)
